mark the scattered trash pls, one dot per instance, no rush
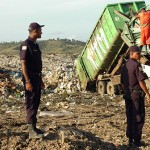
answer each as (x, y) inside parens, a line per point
(55, 114)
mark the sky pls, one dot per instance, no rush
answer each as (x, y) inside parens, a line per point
(71, 19)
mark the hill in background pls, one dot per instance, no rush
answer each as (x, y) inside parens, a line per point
(47, 46)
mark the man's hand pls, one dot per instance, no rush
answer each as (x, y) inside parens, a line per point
(148, 97)
(29, 86)
(42, 85)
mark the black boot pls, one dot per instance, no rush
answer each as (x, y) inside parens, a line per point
(38, 130)
(138, 143)
(130, 142)
(32, 133)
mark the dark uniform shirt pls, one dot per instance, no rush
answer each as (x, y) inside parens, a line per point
(131, 74)
(30, 51)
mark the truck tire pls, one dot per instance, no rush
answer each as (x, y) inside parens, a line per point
(101, 88)
(111, 89)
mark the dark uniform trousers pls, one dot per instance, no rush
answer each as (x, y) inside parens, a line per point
(32, 99)
(135, 113)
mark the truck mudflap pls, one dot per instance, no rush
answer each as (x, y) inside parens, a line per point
(81, 74)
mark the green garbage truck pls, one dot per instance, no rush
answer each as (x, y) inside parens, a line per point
(106, 50)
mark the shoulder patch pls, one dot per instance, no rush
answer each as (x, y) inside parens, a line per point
(24, 48)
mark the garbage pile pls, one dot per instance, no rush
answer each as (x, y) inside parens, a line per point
(59, 75)
(10, 77)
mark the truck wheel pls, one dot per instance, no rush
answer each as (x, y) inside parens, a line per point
(101, 88)
(111, 89)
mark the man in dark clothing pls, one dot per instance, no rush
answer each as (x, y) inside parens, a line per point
(132, 79)
(31, 63)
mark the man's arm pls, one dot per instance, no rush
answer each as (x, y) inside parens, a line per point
(24, 70)
(122, 87)
(42, 85)
(144, 88)
(26, 76)
(137, 16)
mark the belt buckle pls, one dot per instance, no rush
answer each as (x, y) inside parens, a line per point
(38, 74)
(136, 91)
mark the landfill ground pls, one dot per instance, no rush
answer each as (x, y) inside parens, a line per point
(71, 119)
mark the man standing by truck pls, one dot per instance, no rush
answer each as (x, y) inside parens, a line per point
(133, 84)
(144, 17)
(31, 63)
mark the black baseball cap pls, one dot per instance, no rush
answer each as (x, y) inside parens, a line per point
(134, 48)
(34, 26)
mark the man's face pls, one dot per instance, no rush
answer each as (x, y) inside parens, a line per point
(38, 32)
(136, 55)
(143, 10)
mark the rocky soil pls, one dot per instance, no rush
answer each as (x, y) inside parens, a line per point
(71, 119)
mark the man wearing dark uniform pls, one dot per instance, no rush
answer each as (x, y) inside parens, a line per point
(132, 79)
(31, 63)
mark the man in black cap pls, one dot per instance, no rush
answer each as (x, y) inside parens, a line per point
(31, 63)
(132, 79)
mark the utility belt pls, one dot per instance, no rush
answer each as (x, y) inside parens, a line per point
(133, 91)
(35, 73)
(138, 91)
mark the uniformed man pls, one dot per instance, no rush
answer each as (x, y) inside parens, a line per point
(31, 63)
(132, 79)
